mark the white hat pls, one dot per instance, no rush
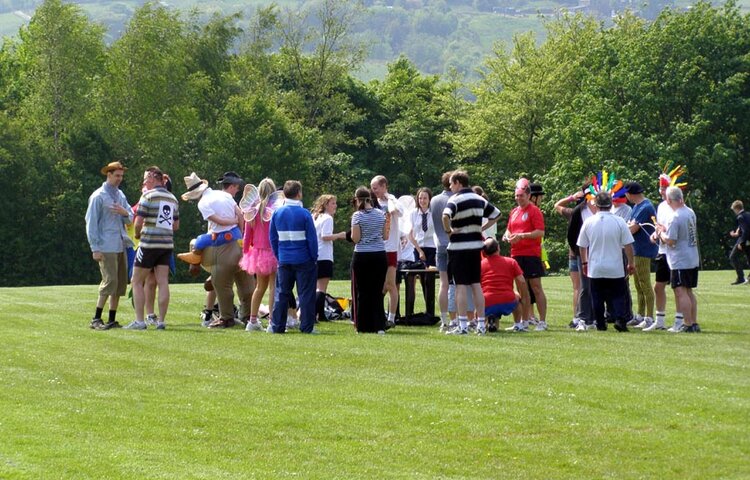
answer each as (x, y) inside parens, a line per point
(195, 187)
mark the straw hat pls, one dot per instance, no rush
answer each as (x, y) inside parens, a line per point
(112, 166)
(195, 187)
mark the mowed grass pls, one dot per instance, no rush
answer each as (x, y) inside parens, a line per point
(189, 403)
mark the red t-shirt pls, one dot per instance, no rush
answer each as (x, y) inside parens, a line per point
(525, 220)
(498, 274)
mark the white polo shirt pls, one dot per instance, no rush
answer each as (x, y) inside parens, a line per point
(219, 203)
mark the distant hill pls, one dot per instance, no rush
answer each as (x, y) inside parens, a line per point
(436, 35)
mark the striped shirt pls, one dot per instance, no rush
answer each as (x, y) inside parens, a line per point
(159, 210)
(371, 223)
(466, 210)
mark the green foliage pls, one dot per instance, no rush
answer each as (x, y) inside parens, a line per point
(279, 99)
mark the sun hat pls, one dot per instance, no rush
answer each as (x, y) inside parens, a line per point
(195, 187)
(112, 166)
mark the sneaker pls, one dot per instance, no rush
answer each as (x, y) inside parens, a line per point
(458, 331)
(655, 325)
(135, 325)
(152, 319)
(206, 317)
(696, 328)
(160, 326)
(581, 327)
(647, 321)
(473, 326)
(533, 320)
(96, 324)
(635, 321)
(481, 331)
(112, 324)
(444, 328)
(540, 326)
(390, 324)
(676, 328)
(621, 326)
(269, 328)
(381, 332)
(738, 282)
(253, 327)
(291, 323)
(574, 323)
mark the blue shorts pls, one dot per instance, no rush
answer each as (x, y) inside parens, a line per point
(573, 265)
(500, 309)
(442, 259)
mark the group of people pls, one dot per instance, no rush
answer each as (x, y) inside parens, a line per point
(270, 243)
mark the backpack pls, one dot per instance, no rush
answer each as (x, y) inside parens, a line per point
(336, 308)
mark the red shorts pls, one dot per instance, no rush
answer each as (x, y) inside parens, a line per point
(392, 258)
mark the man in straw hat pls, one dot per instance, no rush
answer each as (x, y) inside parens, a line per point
(106, 216)
(156, 221)
(220, 251)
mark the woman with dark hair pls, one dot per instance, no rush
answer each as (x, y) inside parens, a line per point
(369, 264)
(422, 234)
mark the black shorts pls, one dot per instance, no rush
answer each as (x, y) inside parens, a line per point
(532, 267)
(685, 278)
(429, 253)
(152, 257)
(662, 269)
(325, 269)
(465, 266)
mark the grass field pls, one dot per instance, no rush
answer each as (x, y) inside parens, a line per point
(189, 403)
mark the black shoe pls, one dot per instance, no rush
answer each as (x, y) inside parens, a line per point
(696, 328)
(738, 282)
(112, 324)
(96, 324)
(621, 326)
(491, 323)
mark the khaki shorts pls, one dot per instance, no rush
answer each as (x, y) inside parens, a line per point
(114, 269)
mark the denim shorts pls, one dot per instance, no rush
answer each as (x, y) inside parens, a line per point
(573, 265)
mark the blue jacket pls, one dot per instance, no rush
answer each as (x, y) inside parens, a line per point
(292, 234)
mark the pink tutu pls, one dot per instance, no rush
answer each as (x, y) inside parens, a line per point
(259, 261)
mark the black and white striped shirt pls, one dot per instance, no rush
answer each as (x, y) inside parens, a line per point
(371, 223)
(466, 210)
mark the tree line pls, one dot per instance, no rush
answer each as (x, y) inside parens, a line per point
(279, 99)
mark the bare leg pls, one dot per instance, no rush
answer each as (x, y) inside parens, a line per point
(162, 280)
(541, 299)
(391, 288)
(138, 281)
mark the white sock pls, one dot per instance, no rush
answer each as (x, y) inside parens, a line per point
(391, 317)
(463, 323)
(480, 323)
(660, 317)
(678, 319)
(444, 320)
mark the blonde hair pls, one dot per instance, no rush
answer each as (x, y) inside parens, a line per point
(321, 203)
(266, 187)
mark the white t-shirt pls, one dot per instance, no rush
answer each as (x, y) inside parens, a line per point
(605, 234)
(664, 214)
(324, 227)
(393, 242)
(219, 203)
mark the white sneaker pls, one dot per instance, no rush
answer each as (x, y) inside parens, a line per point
(676, 328)
(291, 323)
(135, 325)
(540, 326)
(532, 321)
(581, 327)
(152, 319)
(647, 321)
(160, 326)
(381, 332)
(458, 331)
(635, 321)
(481, 331)
(269, 328)
(253, 327)
(444, 327)
(655, 325)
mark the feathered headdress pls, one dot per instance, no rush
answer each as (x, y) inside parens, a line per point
(250, 203)
(606, 182)
(671, 179)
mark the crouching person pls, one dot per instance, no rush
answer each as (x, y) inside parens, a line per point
(499, 273)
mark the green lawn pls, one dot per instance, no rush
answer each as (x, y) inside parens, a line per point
(189, 403)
